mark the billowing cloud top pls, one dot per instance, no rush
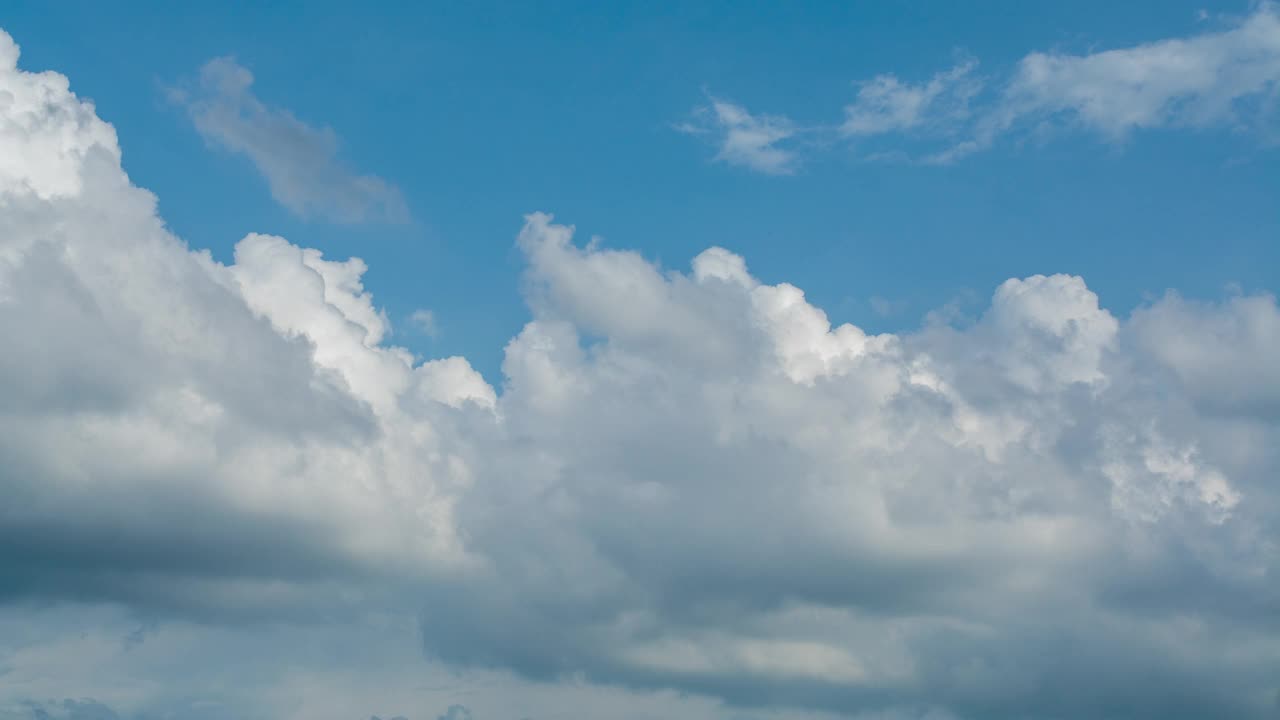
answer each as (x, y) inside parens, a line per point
(689, 480)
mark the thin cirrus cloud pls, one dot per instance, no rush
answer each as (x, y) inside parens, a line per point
(299, 161)
(1227, 78)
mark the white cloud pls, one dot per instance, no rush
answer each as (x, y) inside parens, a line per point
(1200, 81)
(693, 494)
(886, 104)
(46, 136)
(1226, 79)
(299, 161)
(747, 140)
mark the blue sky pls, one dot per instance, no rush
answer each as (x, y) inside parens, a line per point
(716, 361)
(481, 113)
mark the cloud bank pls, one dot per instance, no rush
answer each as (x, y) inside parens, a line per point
(689, 482)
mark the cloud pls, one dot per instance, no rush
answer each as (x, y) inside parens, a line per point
(185, 392)
(913, 470)
(1226, 368)
(1226, 79)
(885, 307)
(456, 712)
(886, 104)
(1217, 79)
(692, 495)
(1201, 81)
(299, 161)
(277, 671)
(73, 710)
(425, 322)
(747, 140)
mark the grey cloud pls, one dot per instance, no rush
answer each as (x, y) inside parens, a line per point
(74, 710)
(1086, 507)
(1227, 368)
(456, 712)
(693, 495)
(711, 532)
(299, 161)
(90, 709)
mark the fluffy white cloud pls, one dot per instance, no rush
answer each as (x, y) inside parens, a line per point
(151, 391)
(690, 482)
(299, 161)
(45, 135)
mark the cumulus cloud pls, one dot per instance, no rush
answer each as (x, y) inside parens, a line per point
(691, 483)
(299, 161)
(786, 511)
(188, 393)
(747, 140)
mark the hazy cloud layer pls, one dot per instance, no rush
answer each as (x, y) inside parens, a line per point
(1226, 78)
(299, 162)
(692, 497)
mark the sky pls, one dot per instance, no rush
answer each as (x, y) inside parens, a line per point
(629, 361)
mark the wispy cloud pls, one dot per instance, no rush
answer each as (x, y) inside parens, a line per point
(299, 161)
(1202, 81)
(1224, 78)
(746, 140)
(424, 321)
(886, 104)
